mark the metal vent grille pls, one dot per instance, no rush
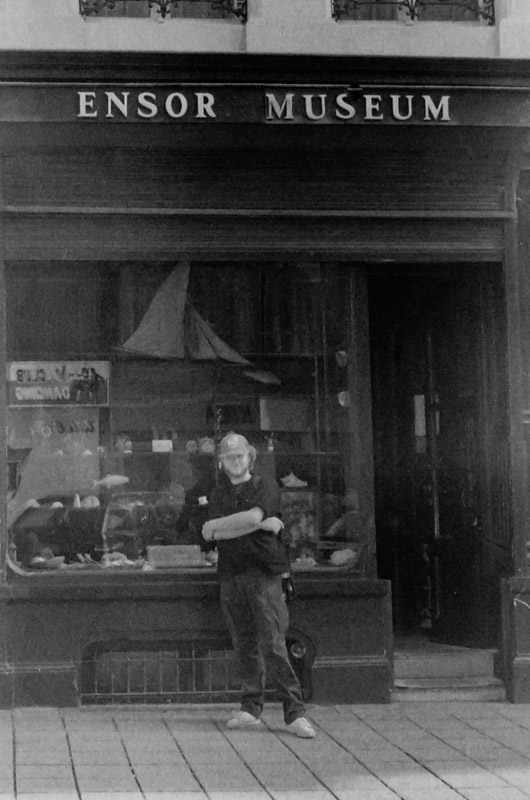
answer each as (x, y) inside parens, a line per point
(173, 672)
(183, 673)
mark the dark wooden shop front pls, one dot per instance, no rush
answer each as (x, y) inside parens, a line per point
(337, 293)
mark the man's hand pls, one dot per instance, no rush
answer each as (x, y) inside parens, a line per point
(272, 524)
(208, 531)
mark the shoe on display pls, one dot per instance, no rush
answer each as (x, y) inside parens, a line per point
(302, 728)
(242, 719)
(290, 481)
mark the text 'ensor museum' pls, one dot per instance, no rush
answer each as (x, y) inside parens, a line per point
(245, 105)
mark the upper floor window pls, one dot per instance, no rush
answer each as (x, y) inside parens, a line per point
(428, 10)
(162, 9)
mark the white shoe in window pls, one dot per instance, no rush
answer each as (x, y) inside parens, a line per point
(292, 482)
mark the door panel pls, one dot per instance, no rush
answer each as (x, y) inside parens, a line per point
(441, 448)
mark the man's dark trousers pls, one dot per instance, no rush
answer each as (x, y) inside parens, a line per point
(257, 618)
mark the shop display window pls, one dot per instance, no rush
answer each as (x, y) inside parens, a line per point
(122, 380)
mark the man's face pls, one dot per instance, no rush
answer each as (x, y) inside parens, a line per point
(236, 465)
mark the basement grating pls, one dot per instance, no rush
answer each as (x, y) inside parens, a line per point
(191, 671)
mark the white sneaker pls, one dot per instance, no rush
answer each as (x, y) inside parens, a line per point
(290, 481)
(242, 719)
(302, 727)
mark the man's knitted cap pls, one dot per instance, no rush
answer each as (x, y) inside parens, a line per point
(233, 443)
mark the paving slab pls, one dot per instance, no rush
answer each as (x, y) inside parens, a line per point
(166, 779)
(219, 778)
(106, 795)
(295, 794)
(51, 786)
(494, 794)
(53, 794)
(171, 796)
(38, 757)
(361, 794)
(259, 795)
(441, 793)
(152, 758)
(466, 774)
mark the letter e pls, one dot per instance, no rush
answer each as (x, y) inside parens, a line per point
(86, 105)
(373, 102)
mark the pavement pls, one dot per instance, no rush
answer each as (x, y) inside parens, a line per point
(412, 751)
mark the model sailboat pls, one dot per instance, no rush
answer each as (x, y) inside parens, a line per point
(171, 328)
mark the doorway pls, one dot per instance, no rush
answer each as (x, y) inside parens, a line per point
(440, 418)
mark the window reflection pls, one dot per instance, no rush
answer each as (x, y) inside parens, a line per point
(111, 450)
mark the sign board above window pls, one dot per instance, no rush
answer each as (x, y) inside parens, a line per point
(346, 104)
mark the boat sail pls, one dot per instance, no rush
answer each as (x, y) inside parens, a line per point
(171, 328)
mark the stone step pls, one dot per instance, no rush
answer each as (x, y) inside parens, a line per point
(457, 662)
(467, 689)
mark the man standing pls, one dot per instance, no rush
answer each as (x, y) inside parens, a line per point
(244, 525)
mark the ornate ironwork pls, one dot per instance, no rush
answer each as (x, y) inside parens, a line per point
(482, 9)
(236, 8)
(89, 7)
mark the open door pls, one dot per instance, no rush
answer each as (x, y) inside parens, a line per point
(441, 448)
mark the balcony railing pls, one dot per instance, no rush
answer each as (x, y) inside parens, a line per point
(201, 9)
(454, 10)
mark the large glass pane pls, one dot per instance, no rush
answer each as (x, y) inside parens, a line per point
(180, 9)
(123, 379)
(196, 9)
(441, 10)
(426, 10)
(118, 8)
(374, 10)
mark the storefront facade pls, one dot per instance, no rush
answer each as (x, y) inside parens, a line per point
(327, 257)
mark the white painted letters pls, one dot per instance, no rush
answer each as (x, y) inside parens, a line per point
(373, 106)
(120, 103)
(183, 105)
(274, 108)
(86, 105)
(205, 101)
(344, 110)
(309, 109)
(250, 104)
(432, 112)
(396, 110)
(147, 107)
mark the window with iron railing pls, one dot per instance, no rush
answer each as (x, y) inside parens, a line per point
(412, 10)
(165, 9)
